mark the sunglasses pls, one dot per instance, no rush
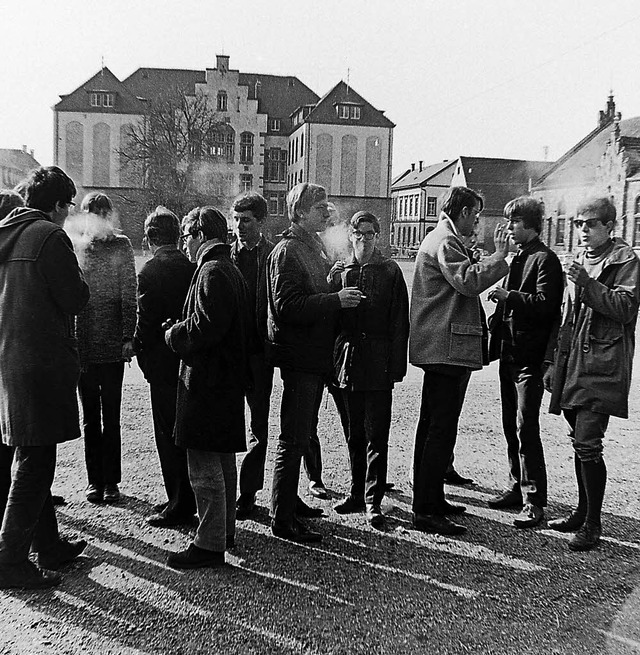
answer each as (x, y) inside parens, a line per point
(589, 222)
(367, 236)
(184, 237)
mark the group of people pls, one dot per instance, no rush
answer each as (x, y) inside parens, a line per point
(209, 322)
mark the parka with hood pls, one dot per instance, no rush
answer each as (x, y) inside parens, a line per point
(41, 289)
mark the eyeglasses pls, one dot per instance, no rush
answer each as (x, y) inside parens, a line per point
(71, 204)
(367, 236)
(184, 237)
(589, 222)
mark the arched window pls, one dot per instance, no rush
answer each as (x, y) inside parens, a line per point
(101, 155)
(74, 151)
(246, 148)
(222, 101)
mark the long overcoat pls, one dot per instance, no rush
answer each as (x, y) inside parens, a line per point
(41, 289)
(596, 342)
(212, 341)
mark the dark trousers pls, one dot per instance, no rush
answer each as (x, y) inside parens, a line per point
(369, 420)
(173, 460)
(442, 400)
(101, 395)
(301, 398)
(29, 519)
(258, 399)
(587, 430)
(521, 391)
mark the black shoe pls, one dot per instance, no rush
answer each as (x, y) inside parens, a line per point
(389, 486)
(318, 490)
(231, 541)
(375, 516)
(168, 520)
(451, 509)
(58, 500)
(160, 507)
(530, 516)
(453, 477)
(62, 553)
(438, 524)
(27, 576)
(298, 532)
(196, 558)
(245, 506)
(505, 500)
(94, 493)
(111, 493)
(586, 538)
(569, 523)
(349, 505)
(304, 511)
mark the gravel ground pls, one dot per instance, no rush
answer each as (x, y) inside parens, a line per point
(496, 590)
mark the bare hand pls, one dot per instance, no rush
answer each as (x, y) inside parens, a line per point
(336, 269)
(547, 378)
(167, 324)
(128, 351)
(501, 240)
(577, 274)
(498, 294)
(350, 297)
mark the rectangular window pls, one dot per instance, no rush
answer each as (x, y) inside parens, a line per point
(355, 113)
(246, 182)
(101, 99)
(560, 231)
(282, 203)
(432, 206)
(275, 165)
(636, 233)
(222, 101)
(343, 111)
(274, 124)
(273, 203)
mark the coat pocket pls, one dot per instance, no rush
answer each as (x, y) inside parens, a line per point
(465, 342)
(603, 356)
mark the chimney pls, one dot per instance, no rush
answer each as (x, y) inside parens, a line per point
(420, 163)
(24, 148)
(413, 165)
(31, 152)
(222, 63)
(257, 88)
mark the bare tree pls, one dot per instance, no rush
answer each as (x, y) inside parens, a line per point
(172, 149)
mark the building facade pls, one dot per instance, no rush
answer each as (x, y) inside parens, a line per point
(270, 132)
(14, 165)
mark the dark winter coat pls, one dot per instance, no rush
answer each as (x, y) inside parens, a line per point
(522, 323)
(371, 348)
(264, 248)
(41, 289)
(596, 342)
(163, 283)
(302, 310)
(211, 340)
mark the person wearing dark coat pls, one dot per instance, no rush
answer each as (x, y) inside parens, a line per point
(528, 307)
(213, 341)
(42, 289)
(300, 337)
(589, 373)
(163, 283)
(370, 356)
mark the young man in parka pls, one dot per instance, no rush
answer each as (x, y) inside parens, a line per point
(589, 374)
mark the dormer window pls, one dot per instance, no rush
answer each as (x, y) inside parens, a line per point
(274, 124)
(101, 99)
(355, 113)
(343, 111)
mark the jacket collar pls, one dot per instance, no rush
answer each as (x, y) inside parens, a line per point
(238, 245)
(621, 253)
(212, 250)
(310, 239)
(376, 258)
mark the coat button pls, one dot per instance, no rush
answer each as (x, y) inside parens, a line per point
(586, 347)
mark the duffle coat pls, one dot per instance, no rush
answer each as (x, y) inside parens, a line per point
(371, 348)
(446, 315)
(212, 341)
(595, 346)
(41, 289)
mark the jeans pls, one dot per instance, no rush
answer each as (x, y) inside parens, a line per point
(258, 399)
(101, 395)
(173, 460)
(442, 400)
(369, 420)
(301, 398)
(521, 391)
(29, 518)
(213, 478)
(586, 432)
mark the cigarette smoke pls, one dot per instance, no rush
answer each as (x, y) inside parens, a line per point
(336, 236)
(84, 229)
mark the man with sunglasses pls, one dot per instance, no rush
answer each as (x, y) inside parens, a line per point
(589, 375)
(527, 310)
(370, 356)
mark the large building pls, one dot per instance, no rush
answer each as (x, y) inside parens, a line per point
(14, 165)
(605, 162)
(270, 133)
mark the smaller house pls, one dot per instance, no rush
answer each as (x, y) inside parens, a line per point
(15, 164)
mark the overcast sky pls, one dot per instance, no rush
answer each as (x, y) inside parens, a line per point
(493, 78)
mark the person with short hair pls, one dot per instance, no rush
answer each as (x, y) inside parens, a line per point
(589, 373)
(42, 290)
(163, 283)
(213, 341)
(105, 339)
(528, 306)
(300, 336)
(370, 356)
(446, 342)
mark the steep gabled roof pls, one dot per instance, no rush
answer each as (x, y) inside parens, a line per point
(578, 165)
(150, 83)
(440, 174)
(500, 180)
(279, 95)
(325, 109)
(18, 159)
(104, 80)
